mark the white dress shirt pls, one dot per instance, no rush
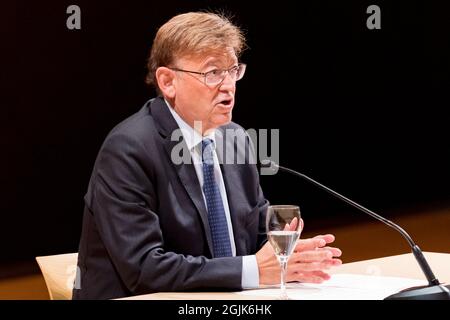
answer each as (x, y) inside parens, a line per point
(193, 139)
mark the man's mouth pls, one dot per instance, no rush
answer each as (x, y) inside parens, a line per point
(226, 102)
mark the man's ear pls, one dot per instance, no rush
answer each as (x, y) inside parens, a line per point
(166, 78)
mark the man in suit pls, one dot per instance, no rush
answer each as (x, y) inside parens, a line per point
(163, 218)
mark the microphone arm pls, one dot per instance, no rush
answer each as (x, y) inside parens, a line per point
(426, 269)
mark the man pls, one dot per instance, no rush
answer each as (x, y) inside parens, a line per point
(152, 223)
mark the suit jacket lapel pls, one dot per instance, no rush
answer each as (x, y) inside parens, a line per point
(186, 172)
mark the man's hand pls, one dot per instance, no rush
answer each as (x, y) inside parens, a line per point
(306, 264)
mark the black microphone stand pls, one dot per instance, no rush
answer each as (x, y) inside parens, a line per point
(433, 291)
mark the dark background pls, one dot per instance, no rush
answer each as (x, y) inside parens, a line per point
(362, 111)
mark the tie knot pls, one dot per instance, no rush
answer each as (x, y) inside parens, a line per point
(207, 151)
(206, 142)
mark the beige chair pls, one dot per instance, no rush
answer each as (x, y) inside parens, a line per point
(59, 274)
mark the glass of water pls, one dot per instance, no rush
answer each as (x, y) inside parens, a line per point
(283, 225)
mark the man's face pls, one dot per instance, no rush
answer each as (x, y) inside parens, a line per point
(196, 101)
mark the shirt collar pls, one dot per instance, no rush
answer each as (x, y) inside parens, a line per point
(192, 137)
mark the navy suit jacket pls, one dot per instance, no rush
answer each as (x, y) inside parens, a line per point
(145, 226)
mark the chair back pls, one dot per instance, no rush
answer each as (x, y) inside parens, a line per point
(59, 273)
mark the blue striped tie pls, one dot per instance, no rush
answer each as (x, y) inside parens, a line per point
(216, 212)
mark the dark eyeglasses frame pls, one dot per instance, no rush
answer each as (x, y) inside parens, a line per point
(204, 74)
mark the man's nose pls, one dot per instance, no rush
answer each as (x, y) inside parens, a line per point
(228, 83)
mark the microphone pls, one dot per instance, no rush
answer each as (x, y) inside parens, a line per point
(433, 291)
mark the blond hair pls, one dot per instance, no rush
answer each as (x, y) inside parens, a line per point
(190, 34)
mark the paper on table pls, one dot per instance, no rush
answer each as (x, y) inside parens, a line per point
(342, 287)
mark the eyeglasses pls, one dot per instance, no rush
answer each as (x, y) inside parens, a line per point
(216, 76)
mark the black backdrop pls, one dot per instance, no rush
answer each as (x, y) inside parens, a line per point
(360, 110)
